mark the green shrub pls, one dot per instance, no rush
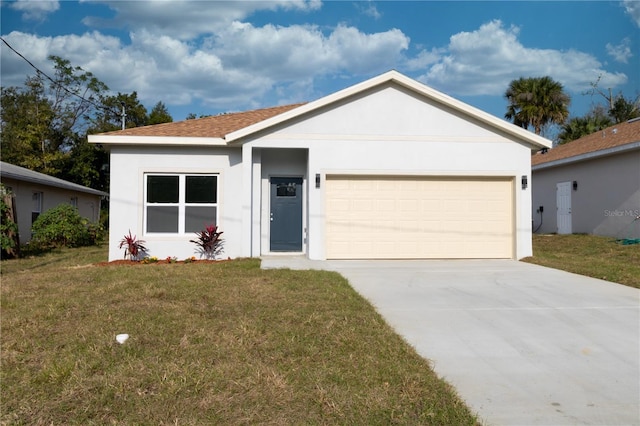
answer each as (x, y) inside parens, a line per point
(63, 226)
(8, 228)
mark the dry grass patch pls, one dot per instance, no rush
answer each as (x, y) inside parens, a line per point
(590, 255)
(223, 343)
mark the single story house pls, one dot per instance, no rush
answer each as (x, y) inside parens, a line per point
(385, 169)
(34, 193)
(590, 185)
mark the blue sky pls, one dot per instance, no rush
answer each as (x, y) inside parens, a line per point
(208, 57)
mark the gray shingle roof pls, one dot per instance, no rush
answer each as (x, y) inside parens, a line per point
(11, 171)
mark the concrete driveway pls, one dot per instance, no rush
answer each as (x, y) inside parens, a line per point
(522, 344)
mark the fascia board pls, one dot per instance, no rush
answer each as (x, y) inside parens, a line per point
(587, 156)
(156, 140)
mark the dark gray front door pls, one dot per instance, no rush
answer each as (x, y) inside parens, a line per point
(286, 214)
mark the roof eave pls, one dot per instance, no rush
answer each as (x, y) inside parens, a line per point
(55, 184)
(535, 142)
(113, 140)
(587, 156)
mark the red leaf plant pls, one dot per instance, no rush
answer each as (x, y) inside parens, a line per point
(133, 247)
(209, 242)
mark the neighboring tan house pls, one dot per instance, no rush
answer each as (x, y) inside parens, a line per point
(387, 168)
(35, 193)
(590, 185)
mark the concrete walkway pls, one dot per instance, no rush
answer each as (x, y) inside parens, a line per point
(522, 344)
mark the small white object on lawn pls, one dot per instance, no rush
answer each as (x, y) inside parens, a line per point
(121, 338)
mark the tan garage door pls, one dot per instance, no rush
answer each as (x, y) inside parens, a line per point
(373, 217)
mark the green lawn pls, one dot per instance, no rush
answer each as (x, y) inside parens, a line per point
(223, 343)
(598, 257)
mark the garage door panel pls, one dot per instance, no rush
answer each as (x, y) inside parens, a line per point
(429, 226)
(418, 217)
(363, 205)
(407, 205)
(384, 206)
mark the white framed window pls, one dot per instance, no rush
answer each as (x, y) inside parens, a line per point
(74, 202)
(179, 203)
(36, 208)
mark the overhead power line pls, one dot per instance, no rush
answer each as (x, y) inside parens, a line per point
(56, 83)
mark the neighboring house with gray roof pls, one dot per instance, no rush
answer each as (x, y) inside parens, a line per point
(590, 185)
(35, 193)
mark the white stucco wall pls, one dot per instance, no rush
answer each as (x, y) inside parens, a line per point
(128, 166)
(393, 111)
(391, 132)
(411, 158)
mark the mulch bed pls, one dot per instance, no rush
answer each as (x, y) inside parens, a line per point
(158, 262)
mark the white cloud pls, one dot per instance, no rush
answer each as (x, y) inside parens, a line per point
(621, 52)
(288, 55)
(483, 62)
(287, 52)
(369, 9)
(187, 19)
(210, 55)
(632, 7)
(424, 59)
(77, 49)
(35, 10)
(235, 68)
(362, 53)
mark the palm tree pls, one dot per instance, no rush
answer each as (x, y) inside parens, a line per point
(578, 127)
(536, 102)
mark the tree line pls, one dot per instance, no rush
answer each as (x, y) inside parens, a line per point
(538, 102)
(44, 123)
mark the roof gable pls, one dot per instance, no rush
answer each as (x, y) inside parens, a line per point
(615, 138)
(387, 112)
(534, 141)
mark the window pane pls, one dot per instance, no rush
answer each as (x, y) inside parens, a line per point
(197, 218)
(162, 189)
(286, 189)
(37, 202)
(201, 189)
(162, 219)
